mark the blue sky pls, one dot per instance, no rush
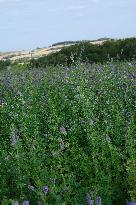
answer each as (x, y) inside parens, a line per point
(27, 24)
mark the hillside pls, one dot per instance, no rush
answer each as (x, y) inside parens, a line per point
(37, 53)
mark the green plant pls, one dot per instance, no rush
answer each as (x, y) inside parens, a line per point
(68, 131)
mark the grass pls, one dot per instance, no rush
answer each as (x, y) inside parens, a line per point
(67, 133)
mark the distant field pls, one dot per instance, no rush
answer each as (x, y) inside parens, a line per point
(37, 53)
(68, 135)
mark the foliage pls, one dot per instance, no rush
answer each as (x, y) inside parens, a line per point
(4, 64)
(67, 132)
(117, 50)
(131, 160)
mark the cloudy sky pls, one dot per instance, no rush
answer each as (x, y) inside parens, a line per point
(27, 24)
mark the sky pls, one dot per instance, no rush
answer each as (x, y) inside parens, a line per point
(28, 24)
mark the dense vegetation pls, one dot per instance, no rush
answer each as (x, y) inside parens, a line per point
(112, 50)
(4, 64)
(68, 133)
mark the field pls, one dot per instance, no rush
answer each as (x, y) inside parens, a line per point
(23, 56)
(68, 134)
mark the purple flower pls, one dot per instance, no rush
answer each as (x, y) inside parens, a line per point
(32, 188)
(63, 130)
(89, 200)
(98, 200)
(25, 202)
(45, 189)
(62, 145)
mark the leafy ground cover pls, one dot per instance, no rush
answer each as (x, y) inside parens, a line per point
(68, 134)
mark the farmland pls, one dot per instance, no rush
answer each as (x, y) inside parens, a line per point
(68, 133)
